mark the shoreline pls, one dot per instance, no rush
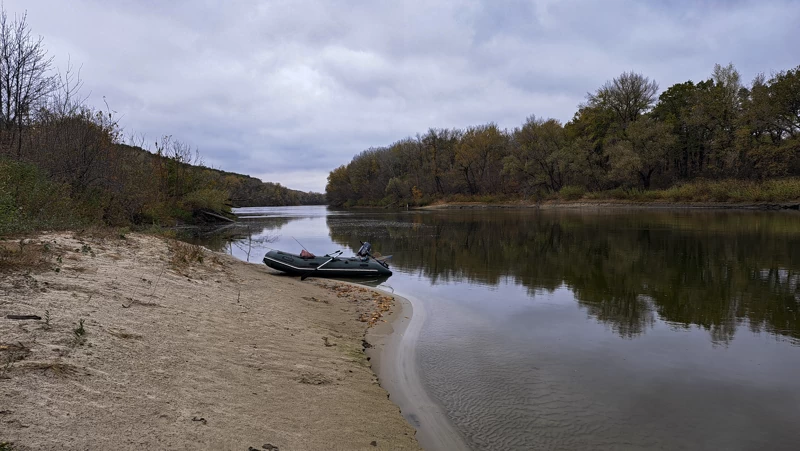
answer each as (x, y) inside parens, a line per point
(392, 355)
(622, 204)
(183, 348)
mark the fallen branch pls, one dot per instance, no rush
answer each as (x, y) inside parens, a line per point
(214, 215)
(37, 317)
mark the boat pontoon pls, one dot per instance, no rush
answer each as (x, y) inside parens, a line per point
(306, 264)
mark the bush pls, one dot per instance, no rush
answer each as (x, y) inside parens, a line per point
(208, 199)
(572, 192)
(28, 200)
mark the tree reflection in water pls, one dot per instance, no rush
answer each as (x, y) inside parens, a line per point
(716, 270)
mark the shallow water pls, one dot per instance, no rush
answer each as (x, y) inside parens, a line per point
(583, 329)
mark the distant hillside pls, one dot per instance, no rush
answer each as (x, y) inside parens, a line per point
(68, 172)
(244, 190)
(249, 191)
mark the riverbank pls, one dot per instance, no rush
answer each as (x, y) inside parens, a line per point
(145, 343)
(605, 203)
(392, 351)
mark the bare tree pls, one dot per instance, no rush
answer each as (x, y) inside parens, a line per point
(25, 76)
(66, 98)
(629, 96)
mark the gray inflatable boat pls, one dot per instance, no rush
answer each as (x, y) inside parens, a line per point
(333, 265)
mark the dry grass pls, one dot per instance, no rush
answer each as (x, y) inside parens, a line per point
(185, 254)
(785, 190)
(736, 191)
(123, 334)
(56, 368)
(102, 233)
(24, 254)
(17, 348)
(14, 352)
(9, 354)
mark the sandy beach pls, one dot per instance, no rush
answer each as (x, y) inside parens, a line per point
(141, 345)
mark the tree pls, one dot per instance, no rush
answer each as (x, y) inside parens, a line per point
(438, 147)
(784, 91)
(704, 117)
(338, 190)
(25, 78)
(651, 142)
(398, 189)
(715, 128)
(536, 154)
(674, 108)
(480, 149)
(366, 177)
(715, 115)
(629, 96)
(770, 121)
(730, 81)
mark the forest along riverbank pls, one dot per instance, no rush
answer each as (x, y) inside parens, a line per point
(143, 342)
(606, 203)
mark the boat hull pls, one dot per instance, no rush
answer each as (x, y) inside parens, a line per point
(338, 267)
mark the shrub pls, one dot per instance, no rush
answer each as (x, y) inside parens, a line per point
(572, 192)
(208, 199)
(28, 200)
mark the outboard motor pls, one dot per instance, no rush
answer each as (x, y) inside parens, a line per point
(366, 250)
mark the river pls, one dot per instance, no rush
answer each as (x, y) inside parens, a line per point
(584, 329)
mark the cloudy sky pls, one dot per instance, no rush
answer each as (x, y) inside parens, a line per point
(288, 90)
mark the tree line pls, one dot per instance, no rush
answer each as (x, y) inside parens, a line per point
(64, 163)
(623, 139)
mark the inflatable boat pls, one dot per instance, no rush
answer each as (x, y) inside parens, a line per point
(333, 265)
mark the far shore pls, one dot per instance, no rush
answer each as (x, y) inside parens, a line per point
(138, 342)
(605, 203)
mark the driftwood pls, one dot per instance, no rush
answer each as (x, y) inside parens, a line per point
(37, 317)
(214, 215)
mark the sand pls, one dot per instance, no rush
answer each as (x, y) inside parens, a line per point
(217, 354)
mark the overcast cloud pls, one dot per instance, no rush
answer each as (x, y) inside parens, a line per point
(288, 90)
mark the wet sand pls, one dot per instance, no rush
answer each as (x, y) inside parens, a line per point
(393, 359)
(218, 354)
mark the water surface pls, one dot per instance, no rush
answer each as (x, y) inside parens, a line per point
(586, 329)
